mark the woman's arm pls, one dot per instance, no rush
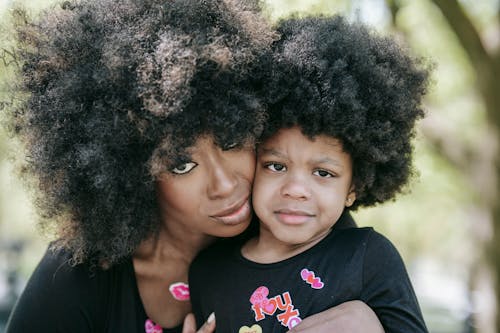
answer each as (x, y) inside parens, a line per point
(351, 317)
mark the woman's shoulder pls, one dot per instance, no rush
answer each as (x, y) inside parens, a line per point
(56, 272)
(58, 294)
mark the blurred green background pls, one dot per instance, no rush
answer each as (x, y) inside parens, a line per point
(446, 226)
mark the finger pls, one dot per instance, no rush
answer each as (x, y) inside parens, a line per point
(189, 324)
(209, 325)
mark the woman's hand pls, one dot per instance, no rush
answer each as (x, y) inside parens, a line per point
(190, 324)
(351, 317)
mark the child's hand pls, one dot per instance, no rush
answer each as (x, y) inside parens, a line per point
(352, 317)
(190, 324)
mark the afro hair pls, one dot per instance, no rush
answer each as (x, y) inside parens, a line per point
(114, 91)
(340, 79)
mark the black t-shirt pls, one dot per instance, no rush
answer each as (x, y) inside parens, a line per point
(62, 298)
(348, 264)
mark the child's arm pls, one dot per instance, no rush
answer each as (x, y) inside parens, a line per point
(387, 288)
(352, 317)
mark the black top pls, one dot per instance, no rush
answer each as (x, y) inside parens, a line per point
(349, 264)
(62, 298)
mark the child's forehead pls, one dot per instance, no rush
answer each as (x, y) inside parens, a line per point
(296, 132)
(292, 139)
(292, 147)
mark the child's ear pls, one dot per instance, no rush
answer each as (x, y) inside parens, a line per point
(351, 197)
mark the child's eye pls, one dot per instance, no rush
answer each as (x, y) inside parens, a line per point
(323, 173)
(278, 167)
(184, 168)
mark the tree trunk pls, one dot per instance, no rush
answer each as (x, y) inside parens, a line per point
(487, 67)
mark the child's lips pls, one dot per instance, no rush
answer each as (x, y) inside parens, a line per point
(293, 216)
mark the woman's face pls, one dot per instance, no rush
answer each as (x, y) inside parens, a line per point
(210, 193)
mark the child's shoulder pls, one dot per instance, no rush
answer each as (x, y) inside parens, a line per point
(363, 232)
(377, 249)
(354, 233)
(368, 237)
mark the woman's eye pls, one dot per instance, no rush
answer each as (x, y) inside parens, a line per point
(276, 167)
(184, 168)
(323, 173)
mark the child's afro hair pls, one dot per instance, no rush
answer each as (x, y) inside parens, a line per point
(340, 79)
(114, 91)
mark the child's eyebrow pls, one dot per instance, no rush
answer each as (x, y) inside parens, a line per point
(271, 151)
(327, 160)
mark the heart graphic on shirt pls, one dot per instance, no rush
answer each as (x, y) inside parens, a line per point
(259, 295)
(269, 306)
(151, 327)
(315, 282)
(254, 329)
(310, 278)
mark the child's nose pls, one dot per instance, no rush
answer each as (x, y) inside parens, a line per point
(296, 187)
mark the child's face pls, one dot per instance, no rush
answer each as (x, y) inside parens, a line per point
(301, 186)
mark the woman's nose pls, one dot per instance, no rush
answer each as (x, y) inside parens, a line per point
(296, 187)
(223, 181)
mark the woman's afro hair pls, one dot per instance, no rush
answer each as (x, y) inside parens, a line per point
(340, 79)
(114, 91)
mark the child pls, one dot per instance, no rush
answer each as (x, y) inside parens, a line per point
(343, 107)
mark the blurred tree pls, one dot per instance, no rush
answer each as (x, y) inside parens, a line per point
(478, 160)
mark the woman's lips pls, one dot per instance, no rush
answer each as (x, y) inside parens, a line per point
(235, 215)
(293, 217)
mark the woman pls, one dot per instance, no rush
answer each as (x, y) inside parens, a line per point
(139, 127)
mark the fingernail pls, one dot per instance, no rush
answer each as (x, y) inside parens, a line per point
(211, 318)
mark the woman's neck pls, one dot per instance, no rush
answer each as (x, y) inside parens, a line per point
(160, 262)
(173, 243)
